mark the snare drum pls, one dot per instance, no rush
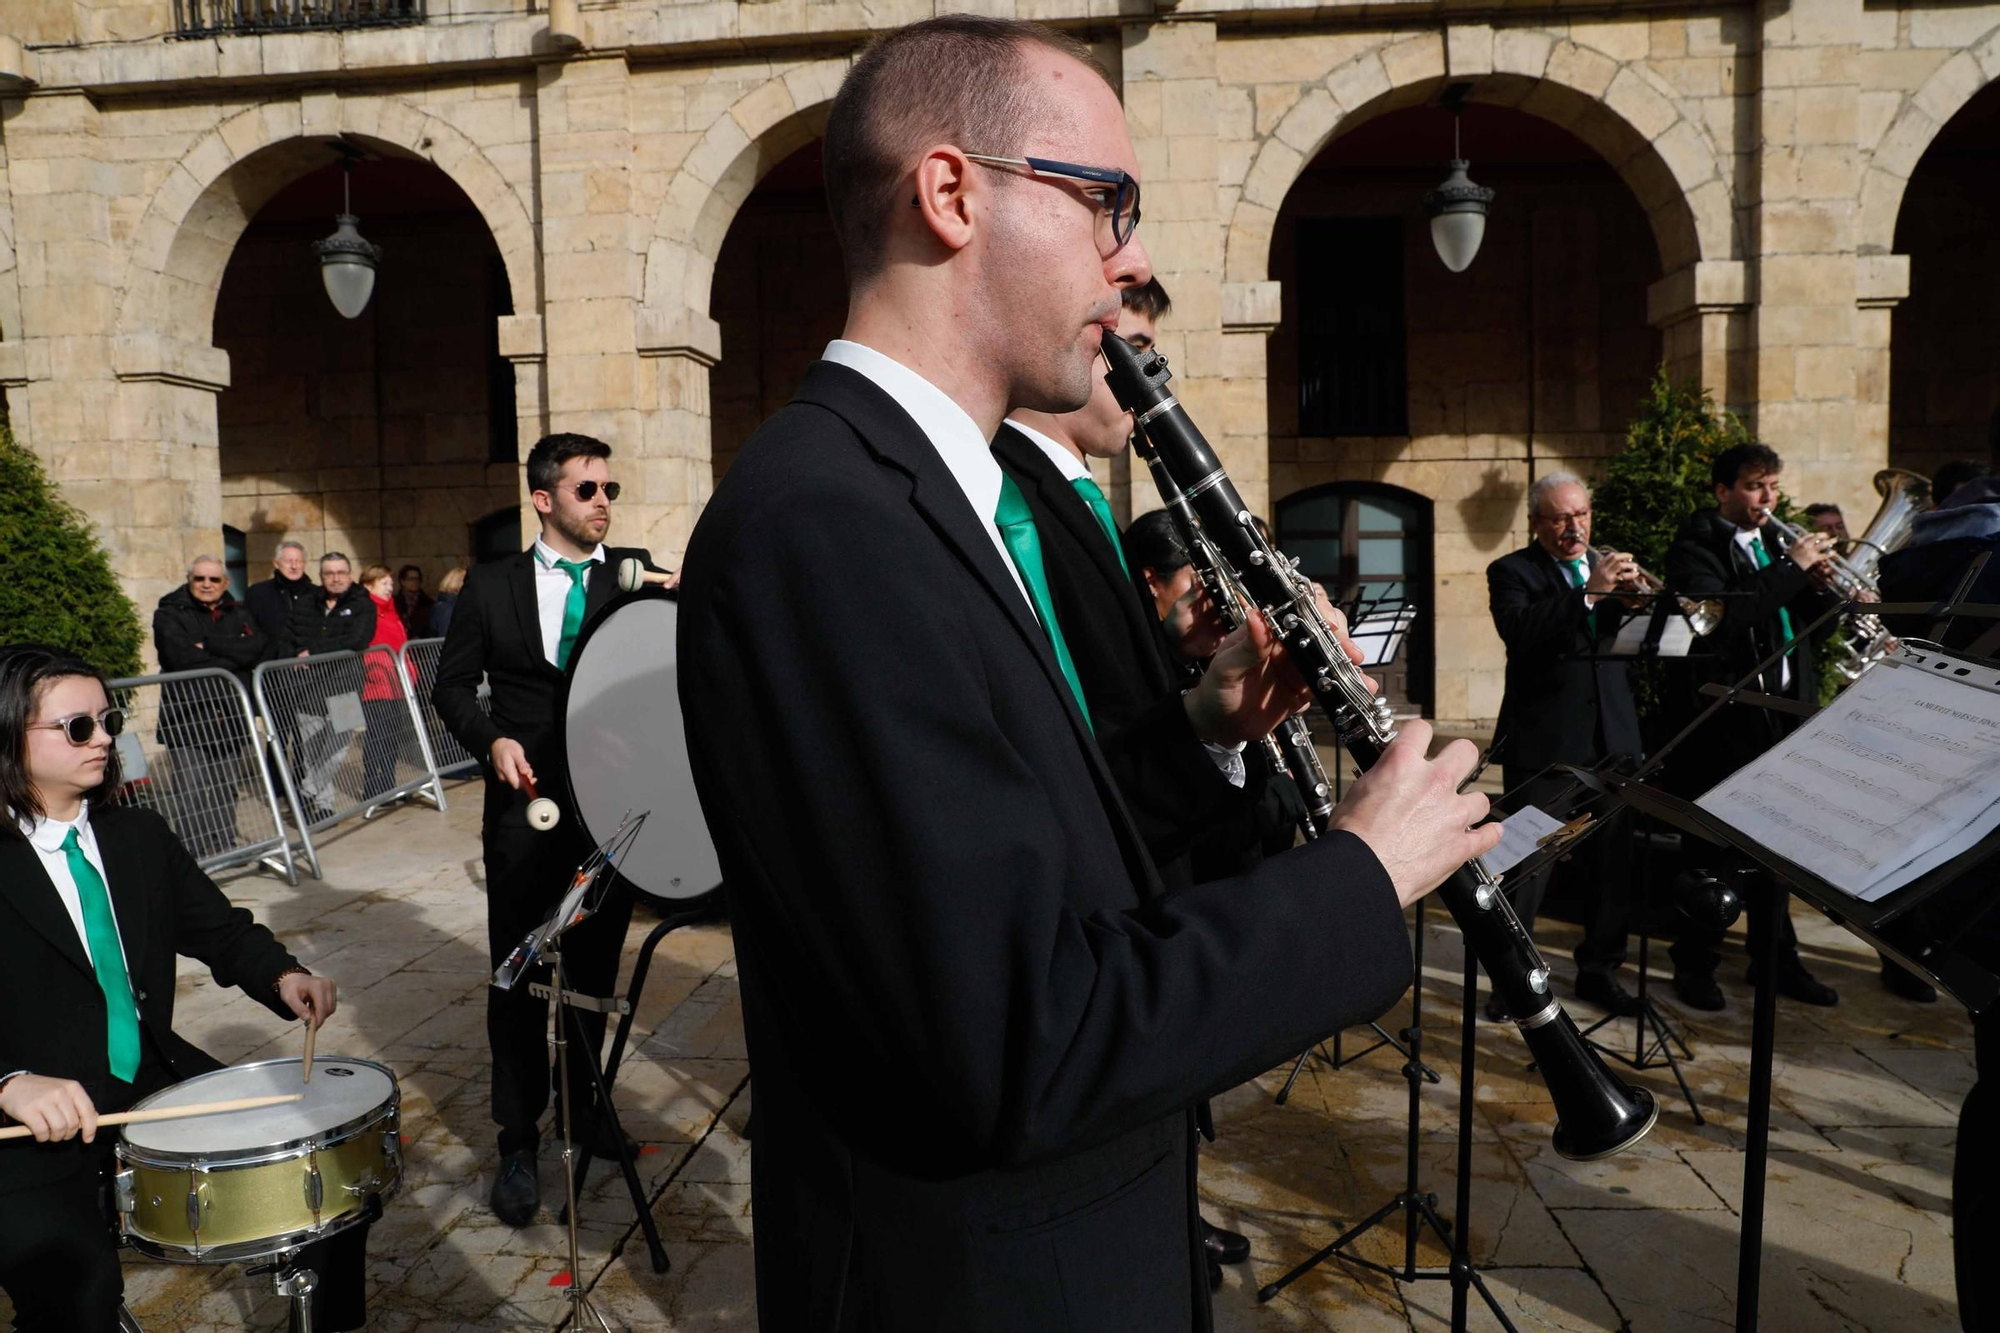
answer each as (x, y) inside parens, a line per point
(242, 1185)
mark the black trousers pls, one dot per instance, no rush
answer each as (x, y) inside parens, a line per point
(527, 874)
(1604, 867)
(388, 723)
(1975, 1212)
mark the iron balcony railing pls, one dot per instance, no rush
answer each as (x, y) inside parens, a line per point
(211, 18)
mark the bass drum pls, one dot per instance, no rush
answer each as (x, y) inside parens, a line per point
(627, 748)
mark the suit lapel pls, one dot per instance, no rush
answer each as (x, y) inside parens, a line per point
(521, 576)
(32, 895)
(125, 875)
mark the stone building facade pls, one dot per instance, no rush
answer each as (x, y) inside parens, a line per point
(1784, 199)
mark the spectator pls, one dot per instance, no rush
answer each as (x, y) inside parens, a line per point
(381, 695)
(413, 604)
(340, 617)
(447, 598)
(1827, 518)
(271, 601)
(202, 724)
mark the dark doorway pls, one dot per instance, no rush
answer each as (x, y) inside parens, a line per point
(1370, 544)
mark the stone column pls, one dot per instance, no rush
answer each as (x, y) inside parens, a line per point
(1804, 232)
(1703, 315)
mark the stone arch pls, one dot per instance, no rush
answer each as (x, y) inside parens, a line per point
(191, 226)
(1623, 111)
(762, 129)
(1923, 114)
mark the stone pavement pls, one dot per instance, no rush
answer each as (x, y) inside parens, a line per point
(1858, 1231)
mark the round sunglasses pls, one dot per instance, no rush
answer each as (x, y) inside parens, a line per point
(79, 728)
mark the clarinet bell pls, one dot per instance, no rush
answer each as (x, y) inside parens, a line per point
(1706, 900)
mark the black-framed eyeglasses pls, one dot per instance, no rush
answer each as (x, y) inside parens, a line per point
(80, 727)
(1122, 207)
(586, 491)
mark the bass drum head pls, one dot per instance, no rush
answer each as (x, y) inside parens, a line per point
(627, 748)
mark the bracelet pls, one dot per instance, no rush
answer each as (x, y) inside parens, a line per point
(278, 982)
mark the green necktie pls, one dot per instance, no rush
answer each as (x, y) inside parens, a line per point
(1017, 529)
(1101, 507)
(572, 609)
(1579, 574)
(121, 1016)
(1762, 559)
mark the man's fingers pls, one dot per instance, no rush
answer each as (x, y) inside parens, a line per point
(1459, 759)
(86, 1116)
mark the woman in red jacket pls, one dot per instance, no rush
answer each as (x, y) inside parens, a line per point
(382, 705)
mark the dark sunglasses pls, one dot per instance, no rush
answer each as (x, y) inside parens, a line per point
(207, 578)
(80, 727)
(587, 490)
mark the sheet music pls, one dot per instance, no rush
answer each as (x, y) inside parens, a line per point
(1520, 837)
(1676, 636)
(1896, 776)
(1380, 637)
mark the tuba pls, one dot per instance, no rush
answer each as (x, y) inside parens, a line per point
(1905, 494)
(1597, 1114)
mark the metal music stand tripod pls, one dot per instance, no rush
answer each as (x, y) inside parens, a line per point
(1395, 615)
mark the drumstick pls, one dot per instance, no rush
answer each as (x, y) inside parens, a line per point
(172, 1112)
(312, 1035)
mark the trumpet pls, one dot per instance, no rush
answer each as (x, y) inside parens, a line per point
(1702, 616)
(1865, 641)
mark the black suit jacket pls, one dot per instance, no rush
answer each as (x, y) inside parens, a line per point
(1559, 707)
(936, 887)
(1170, 784)
(496, 630)
(1706, 559)
(51, 1010)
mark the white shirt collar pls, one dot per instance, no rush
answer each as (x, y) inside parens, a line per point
(951, 431)
(48, 834)
(546, 557)
(1067, 463)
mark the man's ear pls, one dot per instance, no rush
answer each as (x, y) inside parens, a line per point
(948, 195)
(544, 503)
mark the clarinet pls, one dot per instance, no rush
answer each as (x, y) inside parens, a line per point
(1289, 750)
(1597, 1114)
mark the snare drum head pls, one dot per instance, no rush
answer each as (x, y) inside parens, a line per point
(341, 1092)
(627, 748)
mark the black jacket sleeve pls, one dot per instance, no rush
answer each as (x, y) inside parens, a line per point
(358, 630)
(211, 930)
(461, 663)
(1696, 568)
(174, 638)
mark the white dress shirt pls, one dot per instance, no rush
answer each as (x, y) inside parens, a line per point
(1228, 759)
(552, 587)
(967, 454)
(1747, 538)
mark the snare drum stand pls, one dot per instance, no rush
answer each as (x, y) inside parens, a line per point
(296, 1284)
(582, 1317)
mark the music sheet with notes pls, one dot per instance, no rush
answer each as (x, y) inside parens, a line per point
(1900, 773)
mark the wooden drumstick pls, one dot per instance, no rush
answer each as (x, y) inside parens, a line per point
(172, 1112)
(312, 1035)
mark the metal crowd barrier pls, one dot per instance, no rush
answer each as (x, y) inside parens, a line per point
(421, 657)
(346, 737)
(192, 752)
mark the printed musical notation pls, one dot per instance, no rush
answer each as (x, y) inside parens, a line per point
(1898, 776)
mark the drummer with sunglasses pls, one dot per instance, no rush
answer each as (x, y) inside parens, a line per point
(97, 900)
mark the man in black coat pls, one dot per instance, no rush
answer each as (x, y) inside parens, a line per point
(338, 617)
(1770, 595)
(202, 723)
(516, 622)
(1552, 602)
(934, 882)
(271, 601)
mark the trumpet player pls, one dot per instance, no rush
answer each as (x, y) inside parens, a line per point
(1555, 604)
(1771, 592)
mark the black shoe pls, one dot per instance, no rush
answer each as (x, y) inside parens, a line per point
(517, 1190)
(1603, 990)
(1496, 1008)
(1795, 983)
(1901, 981)
(1698, 990)
(1214, 1276)
(1224, 1247)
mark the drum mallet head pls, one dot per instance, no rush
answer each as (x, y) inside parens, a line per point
(633, 575)
(543, 814)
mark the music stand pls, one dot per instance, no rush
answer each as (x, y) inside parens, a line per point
(544, 945)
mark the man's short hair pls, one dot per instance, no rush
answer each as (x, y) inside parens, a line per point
(1955, 474)
(1153, 542)
(289, 545)
(332, 556)
(1547, 484)
(546, 459)
(1733, 462)
(1814, 511)
(955, 79)
(205, 560)
(408, 569)
(1151, 300)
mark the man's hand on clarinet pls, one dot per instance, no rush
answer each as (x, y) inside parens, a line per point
(510, 761)
(1251, 685)
(1409, 811)
(53, 1109)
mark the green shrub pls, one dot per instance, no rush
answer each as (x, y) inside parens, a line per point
(58, 587)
